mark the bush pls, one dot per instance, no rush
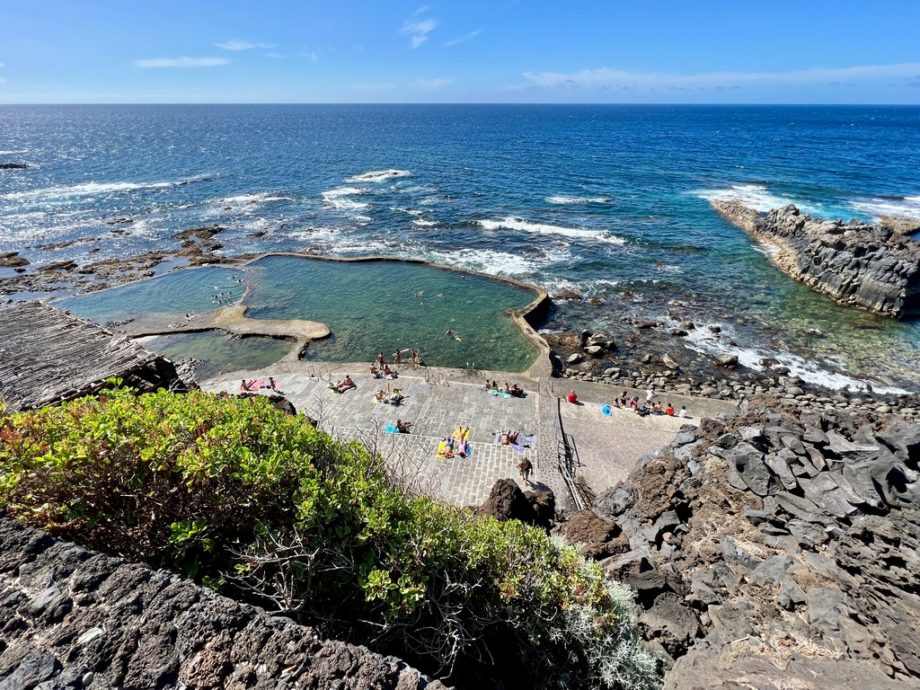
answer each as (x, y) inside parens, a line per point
(264, 506)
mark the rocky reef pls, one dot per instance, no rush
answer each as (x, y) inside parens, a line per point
(876, 267)
(775, 549)
(72, 618)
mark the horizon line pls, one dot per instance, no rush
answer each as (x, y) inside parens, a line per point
(459, 103)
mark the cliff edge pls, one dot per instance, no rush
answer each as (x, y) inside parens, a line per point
(876, 267)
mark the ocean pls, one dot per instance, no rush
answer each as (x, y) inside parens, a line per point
(604, 206)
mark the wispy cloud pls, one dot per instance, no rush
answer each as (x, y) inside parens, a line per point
(464, 38)
(274, 56)
(432, 84)
(237, 45)
(154, 63)
(606, 78)
(312, 56)
(418, 29)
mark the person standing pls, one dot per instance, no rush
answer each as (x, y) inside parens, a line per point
(525, 467)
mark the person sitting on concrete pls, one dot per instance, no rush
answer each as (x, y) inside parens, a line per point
(375, 372)
(656, 408)
(388, 373)
(395, 397)
(403, 427)
(517, 391)
(669, 410)
(380, 395)
(683, 411)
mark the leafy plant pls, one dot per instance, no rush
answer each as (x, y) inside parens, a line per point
(240, 496)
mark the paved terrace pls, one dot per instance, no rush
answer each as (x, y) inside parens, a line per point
(439, 400)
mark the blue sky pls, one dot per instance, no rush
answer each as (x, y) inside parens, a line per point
(643, 51)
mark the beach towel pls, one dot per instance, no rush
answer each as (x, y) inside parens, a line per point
(606, 410)
(391, 429)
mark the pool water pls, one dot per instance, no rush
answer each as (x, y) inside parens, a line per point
(191, 290)
(219, 352)
(379, 306)
(454, 319)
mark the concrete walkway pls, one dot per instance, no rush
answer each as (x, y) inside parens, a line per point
(439, 400)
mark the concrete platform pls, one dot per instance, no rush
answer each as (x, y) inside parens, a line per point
(438, 400)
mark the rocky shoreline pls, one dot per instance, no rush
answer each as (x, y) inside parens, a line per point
(776, 548)
(596, 357)
(876, 267)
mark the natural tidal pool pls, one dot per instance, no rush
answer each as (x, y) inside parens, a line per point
(454, 319)
(379, 306)
(192, 290)
(219, 352)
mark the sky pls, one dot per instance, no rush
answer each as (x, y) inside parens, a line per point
(464, 51)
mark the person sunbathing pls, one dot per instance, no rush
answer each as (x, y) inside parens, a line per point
(446, 448)
(395, 397)
(380, 395)
(388, 373)
(656, 408)
(403, 427)
(517, 391)
(248, 386)
(669, 410)
(634, 404)
(375, 372)
(460, 437)
(508, 438)
(345, 384)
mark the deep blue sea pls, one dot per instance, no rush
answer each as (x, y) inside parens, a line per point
(609, 202)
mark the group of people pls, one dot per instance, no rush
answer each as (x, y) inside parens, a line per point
(415, 358)
(651, 405)
(389, 397)
(455, 445)
(514, 390)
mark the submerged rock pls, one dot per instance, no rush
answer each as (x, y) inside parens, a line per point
(876, 267)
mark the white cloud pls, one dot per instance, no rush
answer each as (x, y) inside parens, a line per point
(154, 63)
(312, 56)
(432, 84)
(237, 46)
(274, 56)
(421, 10)
(606, 78)
(418, 30)
(464, 38)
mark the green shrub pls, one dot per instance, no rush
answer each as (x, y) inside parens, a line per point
(245, 498)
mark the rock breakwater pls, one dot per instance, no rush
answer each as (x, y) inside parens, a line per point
(777, 548)
(876, 267)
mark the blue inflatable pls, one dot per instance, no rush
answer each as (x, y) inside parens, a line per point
(606, 410)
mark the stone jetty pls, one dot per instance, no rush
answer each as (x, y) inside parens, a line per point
(873, 266)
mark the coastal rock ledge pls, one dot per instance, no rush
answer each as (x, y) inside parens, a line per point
(72, 618)
(876, 267)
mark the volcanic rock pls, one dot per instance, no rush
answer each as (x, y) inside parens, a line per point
(856, 263)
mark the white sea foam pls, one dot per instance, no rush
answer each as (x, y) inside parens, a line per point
(521, 225)
(422, 223)
(378, 175)
(759, 198)
(341, 198)
(487, 261)
(89, 189)
(11, 152)
(905, 207)
(753, 196)
(566, 199)
(703, 341)
(253, 199)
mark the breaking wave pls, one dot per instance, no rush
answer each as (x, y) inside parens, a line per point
(521, 225)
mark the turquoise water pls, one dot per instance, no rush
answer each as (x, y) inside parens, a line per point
(369, 306)
(610, 202)
(383, 305)
(180, 292)
(218, 352)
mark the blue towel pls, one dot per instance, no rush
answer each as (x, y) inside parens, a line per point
(391, 429)
(606, 410)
